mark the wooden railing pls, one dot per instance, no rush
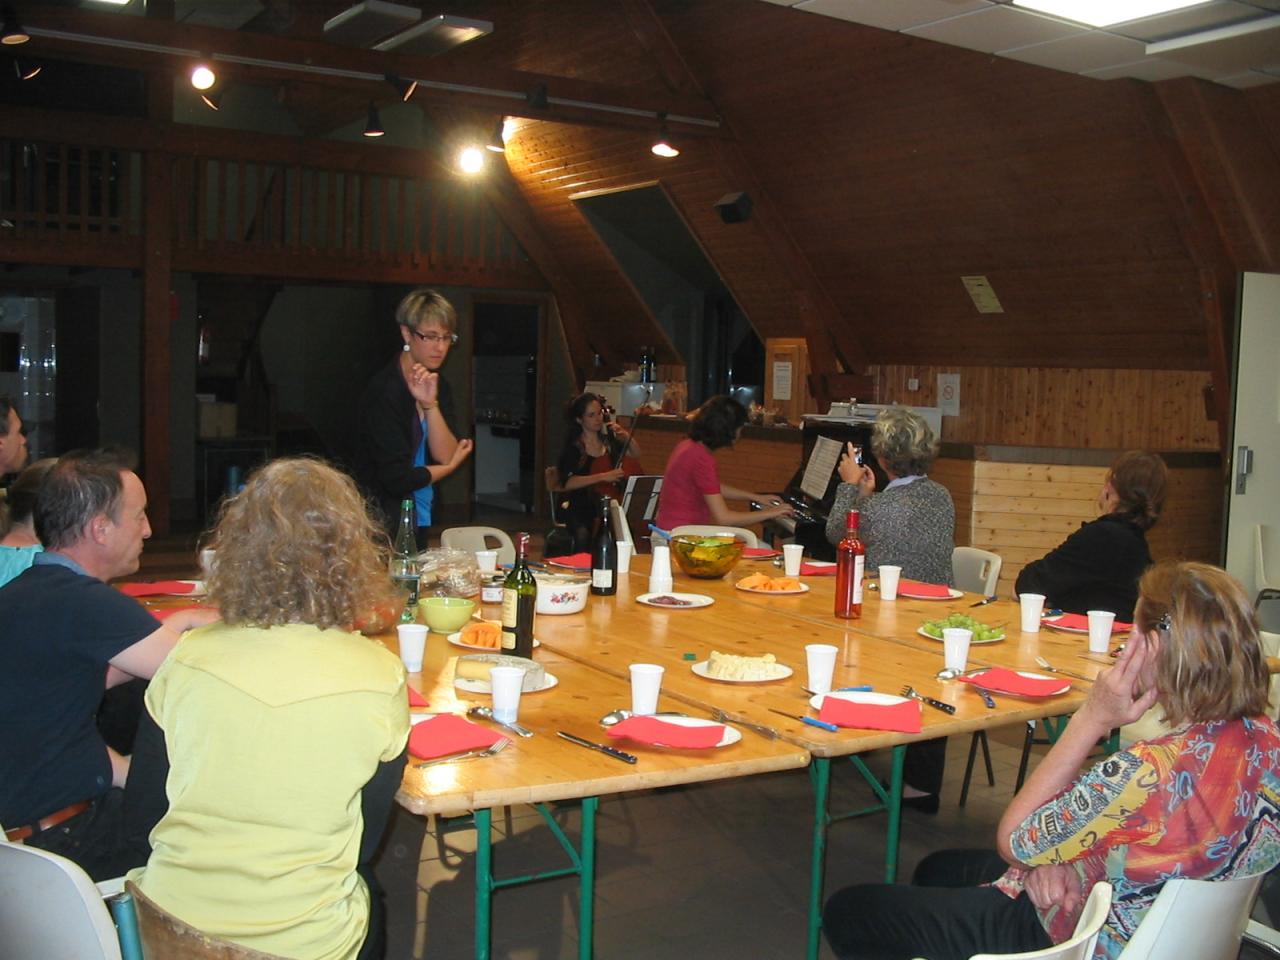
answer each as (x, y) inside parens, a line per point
(66, 190)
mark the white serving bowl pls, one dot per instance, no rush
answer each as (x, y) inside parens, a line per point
(560, 594)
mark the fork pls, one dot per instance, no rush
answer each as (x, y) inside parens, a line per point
(1046, 665)
(910, 691)
(469, 755)
(720, 716)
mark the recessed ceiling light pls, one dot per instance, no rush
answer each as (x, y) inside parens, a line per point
(471, 160)
(1103, 13)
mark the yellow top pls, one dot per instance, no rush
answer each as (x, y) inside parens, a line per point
(271, 734)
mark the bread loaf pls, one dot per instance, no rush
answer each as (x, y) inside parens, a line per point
(476, 666)
(728, 666)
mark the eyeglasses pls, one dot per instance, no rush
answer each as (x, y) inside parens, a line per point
(435, 338)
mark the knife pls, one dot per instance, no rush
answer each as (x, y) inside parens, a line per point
(984, 601)
(611, 751)
(811, 721)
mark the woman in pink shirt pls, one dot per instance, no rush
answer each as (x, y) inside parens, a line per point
(691, 487)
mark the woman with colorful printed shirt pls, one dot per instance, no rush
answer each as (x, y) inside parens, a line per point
(1200, 802)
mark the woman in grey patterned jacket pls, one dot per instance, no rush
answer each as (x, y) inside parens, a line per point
(912, 522)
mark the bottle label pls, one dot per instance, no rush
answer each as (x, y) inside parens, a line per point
(858, 563)
(602, 579)
(510, 602)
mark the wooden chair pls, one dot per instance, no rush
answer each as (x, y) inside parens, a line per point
(711, 530)
(472, 539)
(165, 937)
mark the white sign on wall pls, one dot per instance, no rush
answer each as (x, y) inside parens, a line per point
(949, 394)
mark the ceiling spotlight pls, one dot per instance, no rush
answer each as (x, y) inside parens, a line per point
(471, 160)
(496, 142)
(11, 33)
(202, 76)
(403, 87)
(26, 70)
(213, 98)
(663, 147)
(373, 126)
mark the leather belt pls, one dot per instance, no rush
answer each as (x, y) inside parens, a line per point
(18, 834)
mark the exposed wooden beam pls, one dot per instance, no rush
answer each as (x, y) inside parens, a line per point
(162, 45)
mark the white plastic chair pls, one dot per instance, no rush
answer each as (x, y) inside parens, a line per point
(1080, 946)
(50, 908)
(1204, 919)
(711, 530)
(975, 571)
(621, 529)
(472, 539)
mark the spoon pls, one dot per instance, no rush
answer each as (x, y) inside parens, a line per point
(487, 714)
(617, 716)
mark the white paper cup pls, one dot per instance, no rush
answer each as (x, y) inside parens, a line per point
(889, 581)
(624, 556)
(646, 681)
(1032, 605)
(821, 660)
(206, 561)
(792, 556)
(487, 560)
(660, 561)
(413, 642)
(1100, 622)
(505, 684)
(955, 647)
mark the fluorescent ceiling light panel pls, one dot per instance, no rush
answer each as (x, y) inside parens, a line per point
(1103, 13)
(436, 35)
(364, 23)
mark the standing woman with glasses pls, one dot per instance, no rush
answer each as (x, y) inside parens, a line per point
(406, 445)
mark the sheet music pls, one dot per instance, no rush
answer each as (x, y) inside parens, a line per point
(822, 463)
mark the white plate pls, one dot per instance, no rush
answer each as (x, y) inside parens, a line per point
(695, 600)
(1033, 696)
(803, 588)
(955, 595)
(456, 640)
(857, 696)
(482, 686)
(700, 669)
(566, 566)
(972, 643)
(1053, 623)
(730, 734)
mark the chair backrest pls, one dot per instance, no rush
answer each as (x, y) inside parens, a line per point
(621, 529)
(1271, 648)
(165, 937)
(1195, 918)
(472, 539)
(711, 530)
(552, 477)
(975, 571)
(1080, 946)
(1266, 560)
(50, 908)
(1267, 607)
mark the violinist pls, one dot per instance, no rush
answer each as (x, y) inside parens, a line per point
(595, 462)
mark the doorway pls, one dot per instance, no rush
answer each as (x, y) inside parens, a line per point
(505, 363)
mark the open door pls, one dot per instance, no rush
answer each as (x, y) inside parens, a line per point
(1253, 498)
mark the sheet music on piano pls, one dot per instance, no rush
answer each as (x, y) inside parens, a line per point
(823, 460)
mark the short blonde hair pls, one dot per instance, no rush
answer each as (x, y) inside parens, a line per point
(297, 545)
(904, 441)
(423, 308)
(1210, 665)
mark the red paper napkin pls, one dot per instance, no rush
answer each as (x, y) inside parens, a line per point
(757, 553)
(415, 698)
(1000, 680)
(900, 717)
(573, 560)
(1078, 621)
(446, 734)
(917, 588)
(817, 569)
(158, 589)
(656, 731)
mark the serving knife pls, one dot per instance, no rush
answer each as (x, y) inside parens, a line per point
(611, 751)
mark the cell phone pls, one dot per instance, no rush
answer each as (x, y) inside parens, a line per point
(857, 453)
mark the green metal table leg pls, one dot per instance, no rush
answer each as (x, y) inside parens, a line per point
(820, 774)
(894, 804)
(484, 880)
(587, 884)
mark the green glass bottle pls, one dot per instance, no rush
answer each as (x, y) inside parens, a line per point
(519, 597)
(405, 569)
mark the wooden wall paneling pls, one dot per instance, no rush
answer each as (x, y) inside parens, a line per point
(957, 477)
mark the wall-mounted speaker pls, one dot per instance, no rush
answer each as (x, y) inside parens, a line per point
(734, 207)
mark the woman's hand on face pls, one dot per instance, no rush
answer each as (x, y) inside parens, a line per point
(1055, 884)
(1126, 691)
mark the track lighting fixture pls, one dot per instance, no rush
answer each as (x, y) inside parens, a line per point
(26, 69)
(402, 86)
(536, 97)
(213, 98)
(663, 147)
(11, 33)
(496, 144)
(373, 126)
(203, 76)
(471, 160)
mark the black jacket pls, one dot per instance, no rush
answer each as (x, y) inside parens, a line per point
(1096, 568)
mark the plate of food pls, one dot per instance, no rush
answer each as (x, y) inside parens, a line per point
(982, 633)
(762, 583)
(675, 601)
(472, 685)
(927, 591)
(732, 668)
(857, 696)
(481, 635)
(731, 735)
(471, 672)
